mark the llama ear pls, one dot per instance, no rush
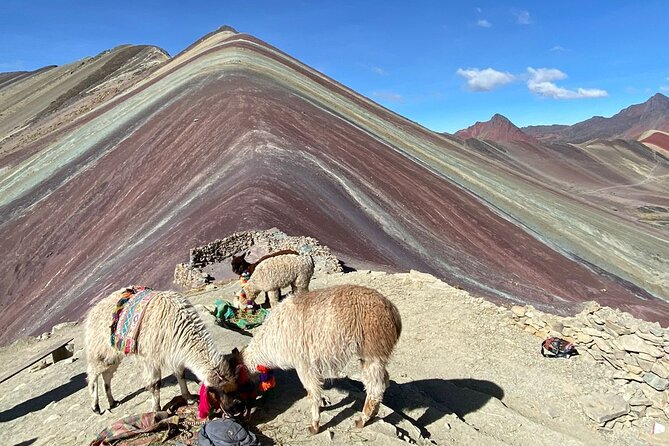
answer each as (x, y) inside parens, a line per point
(236, 355)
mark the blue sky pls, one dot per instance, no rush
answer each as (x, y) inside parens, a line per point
(442, 64)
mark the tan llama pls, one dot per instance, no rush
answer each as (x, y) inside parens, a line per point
(318, 332)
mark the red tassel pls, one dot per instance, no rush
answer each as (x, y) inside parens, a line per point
(266, 385)
(267, 380)
(204, 407)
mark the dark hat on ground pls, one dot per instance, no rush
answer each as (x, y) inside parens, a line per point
(225, 432)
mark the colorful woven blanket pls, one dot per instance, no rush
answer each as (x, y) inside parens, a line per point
(230, 317)
(128, 317)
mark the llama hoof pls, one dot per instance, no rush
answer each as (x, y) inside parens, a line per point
(114, 404)
(96, 409)
(313, 430)
(359, 423)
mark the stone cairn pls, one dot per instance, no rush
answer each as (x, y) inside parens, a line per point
(636, 353)
(191, 275)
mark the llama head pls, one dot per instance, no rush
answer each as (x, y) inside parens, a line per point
(222, 381)
(239, 264)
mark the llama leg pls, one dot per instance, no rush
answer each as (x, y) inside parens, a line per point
(375, 379)
(153, 385)
(274, 297)
(107, 377)
(313, 385)
(181, 379)
(93, 389)
(301, 284)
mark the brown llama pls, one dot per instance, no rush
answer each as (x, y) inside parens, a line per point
(318, 332)
(240, 265)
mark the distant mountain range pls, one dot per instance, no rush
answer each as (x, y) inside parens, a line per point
(631, 123)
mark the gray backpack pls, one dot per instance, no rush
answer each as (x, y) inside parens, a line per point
(225, 432)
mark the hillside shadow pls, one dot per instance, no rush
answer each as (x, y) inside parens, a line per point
(432, 398)
(39, 402)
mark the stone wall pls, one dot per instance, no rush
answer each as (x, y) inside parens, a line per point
(635, 351)
(190, 275)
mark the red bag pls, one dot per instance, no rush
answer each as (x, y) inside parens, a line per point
(558, 348)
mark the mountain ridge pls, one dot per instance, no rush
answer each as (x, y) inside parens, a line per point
(629, 123)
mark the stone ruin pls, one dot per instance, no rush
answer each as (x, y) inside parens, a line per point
(635, 352)
(197, 271)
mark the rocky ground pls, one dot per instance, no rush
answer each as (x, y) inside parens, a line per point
(463, 373)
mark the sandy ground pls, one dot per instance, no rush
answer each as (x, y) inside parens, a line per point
(461, 374)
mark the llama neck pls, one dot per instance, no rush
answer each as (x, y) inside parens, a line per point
(250, 267)
(202, 363)
(254, 355)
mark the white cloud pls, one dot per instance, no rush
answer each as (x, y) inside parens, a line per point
(380, 71)
(545, 74)
(483, 23)
(664, 88)
(558, 48)
(479, 10)
(486, 79)
(523, 18)
(541, 82)
(387, 96)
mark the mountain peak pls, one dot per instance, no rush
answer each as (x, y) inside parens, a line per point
(499, 117)
(657, 101)
(498, 128)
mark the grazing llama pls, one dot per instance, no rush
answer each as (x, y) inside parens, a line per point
(171, 335)
(277, 272)
(317, 333)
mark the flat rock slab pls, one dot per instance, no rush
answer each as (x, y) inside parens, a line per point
(633, 343)
(602, 407)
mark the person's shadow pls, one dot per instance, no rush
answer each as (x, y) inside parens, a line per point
(26, 442)
(75, 384)
(435, 397)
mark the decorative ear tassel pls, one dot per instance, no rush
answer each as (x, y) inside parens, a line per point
(267, 380)
(204, 407)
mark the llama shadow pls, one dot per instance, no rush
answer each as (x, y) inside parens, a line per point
(432, 398)
(169, 380)
(39, 402)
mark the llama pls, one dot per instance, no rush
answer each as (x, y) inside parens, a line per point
(172, 335)
(275, 273)
(319, 332)
(240, 265)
